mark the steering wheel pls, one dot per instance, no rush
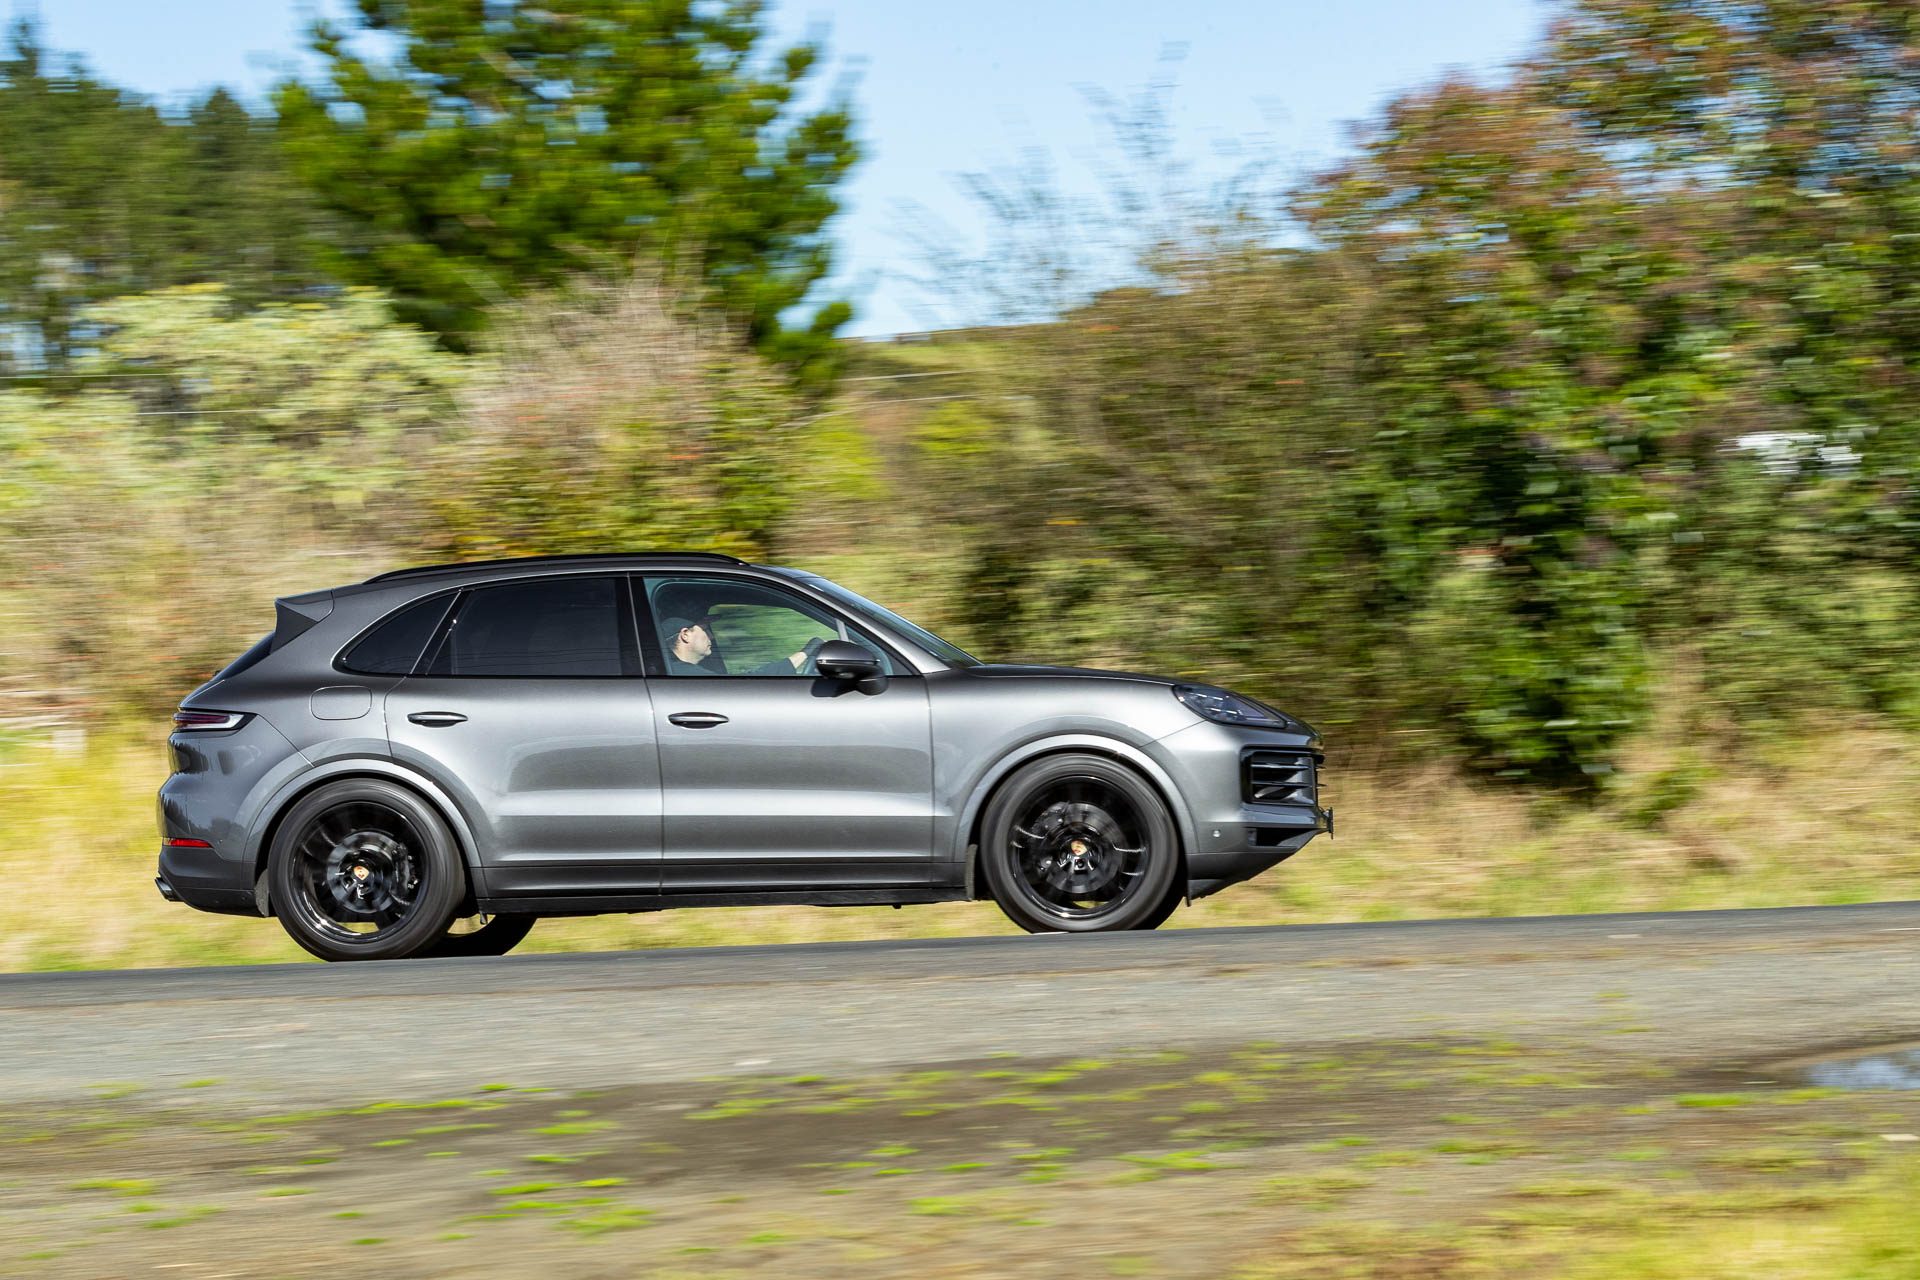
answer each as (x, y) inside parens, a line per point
(812, 649)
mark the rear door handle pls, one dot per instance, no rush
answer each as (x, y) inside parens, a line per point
(436, 717)
(696, 719)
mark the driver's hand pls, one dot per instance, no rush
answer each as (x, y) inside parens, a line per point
(805, 655)
(813, 647)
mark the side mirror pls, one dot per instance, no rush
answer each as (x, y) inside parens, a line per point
(844, 660)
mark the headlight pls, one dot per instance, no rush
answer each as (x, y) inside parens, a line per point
(1229, 708)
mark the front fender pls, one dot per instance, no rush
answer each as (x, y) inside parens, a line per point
(1054, 744)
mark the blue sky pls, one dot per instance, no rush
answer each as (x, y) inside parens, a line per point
(945, 89)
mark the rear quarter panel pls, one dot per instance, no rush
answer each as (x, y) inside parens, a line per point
(333, 722)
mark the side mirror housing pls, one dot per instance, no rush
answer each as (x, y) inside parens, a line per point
(844, 660)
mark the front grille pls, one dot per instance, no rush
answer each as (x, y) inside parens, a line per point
(1280, 777)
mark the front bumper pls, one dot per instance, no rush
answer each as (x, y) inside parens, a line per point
(1242, 852)
(1232, 839)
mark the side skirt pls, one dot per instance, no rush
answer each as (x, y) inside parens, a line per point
(607, 904)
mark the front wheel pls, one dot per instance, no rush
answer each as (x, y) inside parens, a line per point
(364, 870)
(1081, 844)
(1168, 905)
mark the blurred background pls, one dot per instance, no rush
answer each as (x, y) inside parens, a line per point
(1547, 438)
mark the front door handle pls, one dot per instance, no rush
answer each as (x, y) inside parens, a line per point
(436, 717)
(696, 719)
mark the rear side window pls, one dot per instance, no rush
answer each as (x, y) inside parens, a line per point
(392, 648)
(542, 627)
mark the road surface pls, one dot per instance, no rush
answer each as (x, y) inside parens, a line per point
(1730, 986)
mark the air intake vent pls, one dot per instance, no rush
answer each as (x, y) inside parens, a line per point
(1280, 777)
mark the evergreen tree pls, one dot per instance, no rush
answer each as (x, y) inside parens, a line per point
(510, 145)
(102, 195)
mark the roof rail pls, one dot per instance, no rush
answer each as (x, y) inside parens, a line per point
(420, 571)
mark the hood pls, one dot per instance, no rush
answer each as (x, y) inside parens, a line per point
(1019, 670)
(1015, 670)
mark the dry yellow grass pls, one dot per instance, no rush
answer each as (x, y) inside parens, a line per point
(1791, 825)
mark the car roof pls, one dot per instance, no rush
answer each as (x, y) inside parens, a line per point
(600, 558)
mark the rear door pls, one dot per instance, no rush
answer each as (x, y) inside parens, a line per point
(532, 712)
(775, 777)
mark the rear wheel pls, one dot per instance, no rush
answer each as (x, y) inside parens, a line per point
(488, 936)
(364, 870)
(1079, 843)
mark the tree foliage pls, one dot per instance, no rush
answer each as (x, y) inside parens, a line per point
(1604, 370)
(508, 146)
(208, 450)
(102, 195)
(617, 417)
(1556, 393)
(215, 456)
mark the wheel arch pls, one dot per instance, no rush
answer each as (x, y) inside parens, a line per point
(989, 785)
(260, 841)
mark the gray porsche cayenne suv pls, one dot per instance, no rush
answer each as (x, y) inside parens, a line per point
(427, 762)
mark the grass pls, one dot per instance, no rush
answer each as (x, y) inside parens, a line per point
(1858, 1229)
(1869, 1234)
(1282, 1188)
(81, 829)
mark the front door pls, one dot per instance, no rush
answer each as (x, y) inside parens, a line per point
(774, 777)
(533, 713)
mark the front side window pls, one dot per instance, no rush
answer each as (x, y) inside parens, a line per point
(539, 628)
(720, 627)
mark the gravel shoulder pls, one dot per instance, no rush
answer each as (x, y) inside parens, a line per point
(1218, 1102)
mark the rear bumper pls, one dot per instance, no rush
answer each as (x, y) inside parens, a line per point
(202, 878)
(219, 780)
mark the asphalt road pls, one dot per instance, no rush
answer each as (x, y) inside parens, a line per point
(1748, 989)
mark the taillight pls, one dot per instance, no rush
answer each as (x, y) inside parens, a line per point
(184, 842)
(208, 720)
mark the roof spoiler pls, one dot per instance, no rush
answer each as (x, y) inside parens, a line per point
(293, 615)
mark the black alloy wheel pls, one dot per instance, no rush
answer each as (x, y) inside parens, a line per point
(1080, 844)
(364, 870)
(487, 936)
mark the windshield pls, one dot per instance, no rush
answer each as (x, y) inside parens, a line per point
(951, 654)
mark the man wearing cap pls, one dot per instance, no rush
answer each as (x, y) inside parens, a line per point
(689, 642)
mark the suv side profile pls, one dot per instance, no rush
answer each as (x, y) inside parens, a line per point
(428, 762)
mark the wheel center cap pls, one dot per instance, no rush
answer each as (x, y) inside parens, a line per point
(359, 872)
(1079, 848)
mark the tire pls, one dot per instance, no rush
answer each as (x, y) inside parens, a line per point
(363, 869)
(499, 935)
(1080, 844)
(1168, 905)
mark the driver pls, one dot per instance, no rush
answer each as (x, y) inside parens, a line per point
(690, 642)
